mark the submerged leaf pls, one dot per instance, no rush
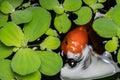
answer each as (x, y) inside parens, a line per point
(25, 61)
(105, 27)
(50, 43)
(5, 51)
(84, 15)
(39, 25)
(49, 4)
(72, 5)
(62, 23)
(21, 16)
(51, 62)
(5, 70)
(12, 35)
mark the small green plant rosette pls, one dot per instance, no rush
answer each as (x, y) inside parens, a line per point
(84, 15)
(5, 70)
(59, 9)
(21, 16)
(12, 35)
(39, 25)
(50, 43)
(112, 45)
(51, 63)
(5, 51)
(25, 61)
(62, 23)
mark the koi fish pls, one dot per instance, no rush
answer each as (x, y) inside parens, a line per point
(82, 62)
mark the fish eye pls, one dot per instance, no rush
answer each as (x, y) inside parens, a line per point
(72, 63)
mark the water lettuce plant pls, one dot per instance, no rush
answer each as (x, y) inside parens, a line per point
(30, 34)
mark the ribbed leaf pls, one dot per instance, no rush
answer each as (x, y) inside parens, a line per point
(32, 76)
(118, 56)
(39, 25)
(12, 35)
(49, 4)
(72, 5)
(105, 27)
(84, 15)
(15, 3)
(25, 61)
(50, 43)
(51, 63)
(89, 2)
(115, 14)
(21, 16)
(6, 7)
(3, 19)
(112, 45)
(5, 51)
(62, 23)
(5, 70)
(51, 32)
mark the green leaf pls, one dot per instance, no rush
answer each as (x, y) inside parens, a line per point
(15, 3)
(5, 51)
(21, 16)
(96, 6)
(51, 32)
(50, 43)
(12, 35)
(117, 1)
(84, 15)
(33, 76)
(59, 9)
(5, 70)
(118, 56)
(25, 61)
(118, 32)
(51, 62)
(115, 14)
(112, 45)
(6, 7)
(72, 5)
(89, 2)
(39, 25)
(3, 19)
(105, 27)
(49, 4)
(62, 23)
(102, 1)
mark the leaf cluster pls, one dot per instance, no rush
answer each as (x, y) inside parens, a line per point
(109, 27)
